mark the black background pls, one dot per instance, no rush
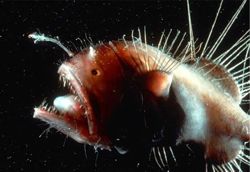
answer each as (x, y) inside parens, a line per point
(28, 71)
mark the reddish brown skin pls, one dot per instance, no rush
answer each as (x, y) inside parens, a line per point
(107, 70)
(227, 83)
(114, 68)
(156, 82)
(105, 78)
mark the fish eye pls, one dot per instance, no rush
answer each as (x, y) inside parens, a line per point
(95, 72)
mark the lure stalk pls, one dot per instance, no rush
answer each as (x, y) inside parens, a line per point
(42, 38)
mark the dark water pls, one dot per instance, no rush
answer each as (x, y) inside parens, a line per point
(28, 73)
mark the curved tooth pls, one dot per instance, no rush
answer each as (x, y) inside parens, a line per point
(42, 104)
(67, 82)
(46, 106)
(64, 82)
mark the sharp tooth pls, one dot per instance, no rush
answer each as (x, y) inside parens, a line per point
(42, 104)
(75, 98)
(67, 83)
(63, 80)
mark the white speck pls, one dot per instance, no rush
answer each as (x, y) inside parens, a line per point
(92, 53)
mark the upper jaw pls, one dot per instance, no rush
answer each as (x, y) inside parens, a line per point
(57, 116)
(85, 131)
(68, 73)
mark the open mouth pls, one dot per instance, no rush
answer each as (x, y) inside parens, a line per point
(71, 114)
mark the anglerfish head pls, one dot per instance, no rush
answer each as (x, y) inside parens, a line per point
(94, 81)
(105, 95)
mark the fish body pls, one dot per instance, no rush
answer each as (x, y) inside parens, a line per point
(111, 78)
(126, 95)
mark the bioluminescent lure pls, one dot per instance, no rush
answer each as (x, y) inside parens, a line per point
(126, 93)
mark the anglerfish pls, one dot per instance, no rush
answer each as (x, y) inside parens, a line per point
(126, 93)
